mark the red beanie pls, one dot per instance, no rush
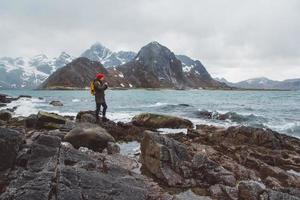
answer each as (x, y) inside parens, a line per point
(99, 76)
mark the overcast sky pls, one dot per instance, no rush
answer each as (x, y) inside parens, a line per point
(235, 39)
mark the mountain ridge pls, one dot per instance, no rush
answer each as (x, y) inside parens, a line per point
(265, 83)
(156, 66)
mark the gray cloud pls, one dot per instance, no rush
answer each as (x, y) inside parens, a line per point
(234, 39)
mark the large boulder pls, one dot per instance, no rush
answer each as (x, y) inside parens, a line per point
(164, 157)
(46, 117)
(155, 121)
(45, 120)
(88, 135)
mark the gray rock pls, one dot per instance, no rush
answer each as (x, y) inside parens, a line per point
(164, 157)
(56, 103)
(89, 135)
(151, 120)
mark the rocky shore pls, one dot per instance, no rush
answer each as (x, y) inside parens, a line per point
(53, 157)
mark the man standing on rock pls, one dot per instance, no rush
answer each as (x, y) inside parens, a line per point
(100, 86)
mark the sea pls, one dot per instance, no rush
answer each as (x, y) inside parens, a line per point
(276, 110)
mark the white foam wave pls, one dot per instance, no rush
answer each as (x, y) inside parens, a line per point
(120, 117)
(172, 131)
(75, 100)
(25, 107)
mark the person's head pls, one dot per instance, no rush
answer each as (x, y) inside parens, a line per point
(100, 76)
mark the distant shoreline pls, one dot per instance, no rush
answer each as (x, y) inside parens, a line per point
(149, 89)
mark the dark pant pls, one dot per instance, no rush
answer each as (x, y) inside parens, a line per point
(98, 107)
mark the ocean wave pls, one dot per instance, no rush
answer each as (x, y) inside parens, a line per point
(120, 117)
(24, 106)
(231, 116)
(291, 128)
(75, 100)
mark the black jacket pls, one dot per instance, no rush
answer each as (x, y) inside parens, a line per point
(100, 87)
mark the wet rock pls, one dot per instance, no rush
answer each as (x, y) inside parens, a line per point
(5, 98)
(56, 103)
(13, 109)
(5, 115)
(155, 121)
(88, 135)
(24, 96)
(2, 105)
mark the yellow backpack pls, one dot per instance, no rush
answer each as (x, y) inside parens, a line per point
(92, 88)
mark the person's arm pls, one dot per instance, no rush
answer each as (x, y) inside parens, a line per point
(106, 85)
(100, 86)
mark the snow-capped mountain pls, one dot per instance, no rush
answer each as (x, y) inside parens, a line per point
(100, 53)
(29, 72)
(155, 66)
(264, 83)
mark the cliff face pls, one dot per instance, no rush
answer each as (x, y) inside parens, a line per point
(155, 66)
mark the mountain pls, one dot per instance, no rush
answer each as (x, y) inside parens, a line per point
(197, 75)
(155, 66)
(78, 74)
(100, 53)
(29, 72)
(265, 83)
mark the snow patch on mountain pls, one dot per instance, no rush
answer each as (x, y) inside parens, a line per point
(23, 72)
(98, 52)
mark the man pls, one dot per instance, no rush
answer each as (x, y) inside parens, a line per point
(100, 87)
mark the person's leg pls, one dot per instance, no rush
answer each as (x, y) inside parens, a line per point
(98, 105)
(104, 105)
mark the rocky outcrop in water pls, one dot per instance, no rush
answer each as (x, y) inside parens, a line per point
(56, 103)
(154, 121)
